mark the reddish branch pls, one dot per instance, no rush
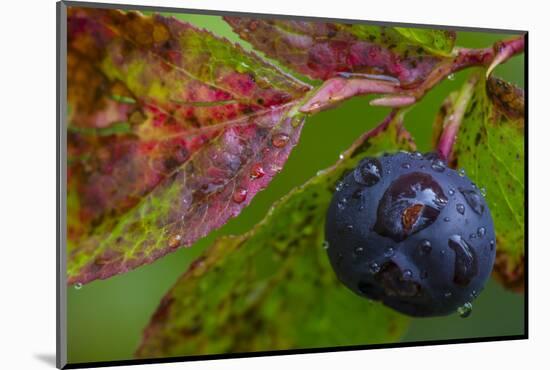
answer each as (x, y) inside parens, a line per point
(340, 88)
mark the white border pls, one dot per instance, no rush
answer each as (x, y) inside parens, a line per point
(27, 185)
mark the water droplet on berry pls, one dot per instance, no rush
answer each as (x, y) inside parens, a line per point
(239, 195)
(481, 232)
(342, 204)
(447, 219)
(349, 227)
(425, 247)
(483, 191)
(389, 252)
(411, 203)
(341, 156)
(462, 172)
(451, 77)
(406, 165)
(465, 260)
(438, 165)
(78, 286)
(339, 186)
(374, 268)
(280, 140)
(460, 208)
(492, 244)
(465, 310)
(326, 244)
(407, 274)
(369, 172)
(451, 191)
(448, 295)
(359, 251)
(474, 200)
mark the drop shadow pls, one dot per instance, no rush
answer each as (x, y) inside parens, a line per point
(47, 358)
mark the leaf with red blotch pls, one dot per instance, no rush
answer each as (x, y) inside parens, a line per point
(490, 146)
(171, 132)
(323, 50)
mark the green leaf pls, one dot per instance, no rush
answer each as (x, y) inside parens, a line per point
(322, 50)
(437, 41)
(171, 132)
(273, 288)
(490, 147)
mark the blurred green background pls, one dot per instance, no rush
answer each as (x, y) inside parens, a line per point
(106, 318)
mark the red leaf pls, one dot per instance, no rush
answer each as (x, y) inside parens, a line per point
(322, 50)
(171, 132)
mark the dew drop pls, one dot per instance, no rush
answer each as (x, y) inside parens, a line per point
(462, 172)
(465, 260)
(298, 120)
(174, 241)
(447, 219)
(349, 227)
(451, 77)
(483, 191)
(374, 268)
(357, 194)
(492, 244)
(342, 203)
(406, 165)
(407, 274)
(451, 191)
(460, 208)
(389, 252)
(474, 200)
(465, 310)
(78, 286)
(280, 140)
(417, 155)
(438, 165)
(448, 295)
(359, 251)
(341, 156)
(325, 245)
(411, 203)
(339, 186)
(369, 172)
(239, 195)
(257, 171)
(481, 232)
(473, 236)
(425, 247)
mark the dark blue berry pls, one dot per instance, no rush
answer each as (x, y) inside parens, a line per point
(437, 226)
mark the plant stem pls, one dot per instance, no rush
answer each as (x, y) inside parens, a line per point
(454, 117)
(341, 88)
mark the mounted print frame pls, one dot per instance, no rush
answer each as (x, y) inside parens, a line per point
(237, 184)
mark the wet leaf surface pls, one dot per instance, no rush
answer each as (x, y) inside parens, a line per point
(490, 147)
(171, 132)
(323, 50)
(273, 288)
